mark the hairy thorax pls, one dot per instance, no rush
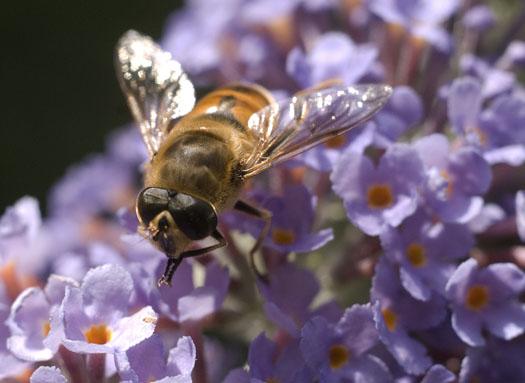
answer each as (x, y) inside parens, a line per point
(199, 161)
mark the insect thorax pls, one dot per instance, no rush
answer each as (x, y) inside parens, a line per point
(198, 163)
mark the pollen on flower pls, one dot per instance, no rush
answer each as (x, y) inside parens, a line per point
(98, 334)
(379, 196)
(477, 297)
(46, 327)
(450, 186)
(390, 319)
(272, 380)
(283, 236)
(415, 253)
(335, 142)
(338, 355)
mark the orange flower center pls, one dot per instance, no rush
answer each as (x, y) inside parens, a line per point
(416, 254)
(283, 236)
(390, 319)
(450, 186)
(477, 297)
(338, 355)
(98, 334)
(46, 327)
(380, 196)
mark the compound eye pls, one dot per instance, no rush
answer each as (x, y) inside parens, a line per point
(151, 202)
(194, 217)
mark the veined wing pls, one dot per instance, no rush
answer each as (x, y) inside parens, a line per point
(289, 127)
(155, 86)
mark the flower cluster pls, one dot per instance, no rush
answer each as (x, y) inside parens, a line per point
(395, 252)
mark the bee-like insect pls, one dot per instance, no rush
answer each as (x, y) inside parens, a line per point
(201, 155)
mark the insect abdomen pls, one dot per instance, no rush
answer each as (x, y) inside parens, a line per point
(238, 101)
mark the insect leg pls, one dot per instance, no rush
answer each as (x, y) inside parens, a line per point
(216, 235)
(266, 216)
(171, 266)
(173, 263)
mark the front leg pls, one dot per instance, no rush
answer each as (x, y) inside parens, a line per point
(266, 216)
(173, 263)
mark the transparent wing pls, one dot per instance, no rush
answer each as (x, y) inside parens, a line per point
(156, 88)
(289, 127)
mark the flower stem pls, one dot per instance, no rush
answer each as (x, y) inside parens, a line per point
(96, 367)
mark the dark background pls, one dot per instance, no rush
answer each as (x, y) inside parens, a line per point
(59, 95)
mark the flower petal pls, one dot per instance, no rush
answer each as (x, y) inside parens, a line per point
(181, 359)
(46, 374)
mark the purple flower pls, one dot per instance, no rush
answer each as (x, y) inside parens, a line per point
(268, 363)
(35, 323)
(333, 56)
(96, 316)
(490, 214)
(503, 142)
(340, 352)
(498, 361)
(454, 180)
(493, 130)
(147, 361)
(292, 220)
(45, 374)
(289, 295)
(421, 18)
(495, 81)
(10, 366)
(193, 29)
(438, 374)
(397, 313)
(184, 301)
(486, 298)
(97, 185)
(479, 18)
(377, 196)
(127, 147)
(426, 251)
(514, 54)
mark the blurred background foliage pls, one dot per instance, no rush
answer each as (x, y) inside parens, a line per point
(60, 97)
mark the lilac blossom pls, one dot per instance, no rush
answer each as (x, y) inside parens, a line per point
(426, 252)
(397, 313)
(184, 301)
(497, 361)
(288, 296)
(292, 220)
(479, 18)
(46, 374)
(35, 323)
(421, 18)
(382, 195)
(341, 351)
(267, 362)
(486, 298)
(96, 316)
(333, 56)
(492, 130)
(147, 361)
(494, 80)
(455, 180)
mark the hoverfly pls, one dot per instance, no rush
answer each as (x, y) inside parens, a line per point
(203, 153)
